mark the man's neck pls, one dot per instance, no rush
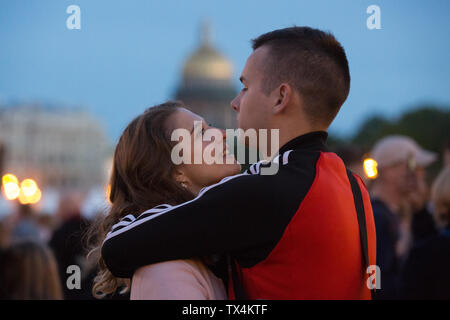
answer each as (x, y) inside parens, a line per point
(286, 136)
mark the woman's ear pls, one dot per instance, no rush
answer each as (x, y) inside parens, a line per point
(181, 178)
(283, 95)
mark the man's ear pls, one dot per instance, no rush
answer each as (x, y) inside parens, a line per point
(283, 95)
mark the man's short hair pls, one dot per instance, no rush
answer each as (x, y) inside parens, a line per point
(313, 62)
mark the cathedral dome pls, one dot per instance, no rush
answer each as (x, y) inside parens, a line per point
(206, 63)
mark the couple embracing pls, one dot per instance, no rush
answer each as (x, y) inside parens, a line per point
(208, 231)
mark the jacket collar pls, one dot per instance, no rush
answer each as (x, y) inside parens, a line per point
(313, 141)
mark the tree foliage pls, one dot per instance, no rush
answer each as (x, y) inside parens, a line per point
(429, 126)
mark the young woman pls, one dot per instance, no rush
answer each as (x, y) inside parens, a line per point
(145, 176)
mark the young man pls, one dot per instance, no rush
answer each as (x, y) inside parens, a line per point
(292, 235)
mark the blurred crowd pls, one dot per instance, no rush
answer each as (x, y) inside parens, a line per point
(411, 211)
(38, 248)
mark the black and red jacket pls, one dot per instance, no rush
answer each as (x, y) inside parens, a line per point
(293, 235)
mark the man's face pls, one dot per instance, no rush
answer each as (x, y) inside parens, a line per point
(402, 177)
(252, 104)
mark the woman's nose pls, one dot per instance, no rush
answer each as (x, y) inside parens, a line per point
(234, 104)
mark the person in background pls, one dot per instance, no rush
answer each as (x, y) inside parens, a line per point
(28, 271)
(422, 223)
(67, 244)
(46, 225)
(24, 224)
(398, 192)
(352, 156)
(4, 235)
(446, 154)
(426, 271)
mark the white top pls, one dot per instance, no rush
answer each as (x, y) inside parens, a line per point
(176, 280)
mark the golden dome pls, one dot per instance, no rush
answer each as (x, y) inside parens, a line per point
(206, 62)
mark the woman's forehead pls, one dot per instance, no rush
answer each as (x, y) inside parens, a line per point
(185, 118)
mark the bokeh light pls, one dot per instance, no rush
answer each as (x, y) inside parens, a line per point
(11, 190)
(29, 187)
(370, 168)
(9, 178)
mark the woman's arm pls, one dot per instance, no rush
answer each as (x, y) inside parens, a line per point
(171, 280)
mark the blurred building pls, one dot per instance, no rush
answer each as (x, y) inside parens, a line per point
(59, 148)
(2, 156)
(206, 85)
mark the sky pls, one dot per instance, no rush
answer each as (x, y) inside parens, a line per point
(128, 55)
